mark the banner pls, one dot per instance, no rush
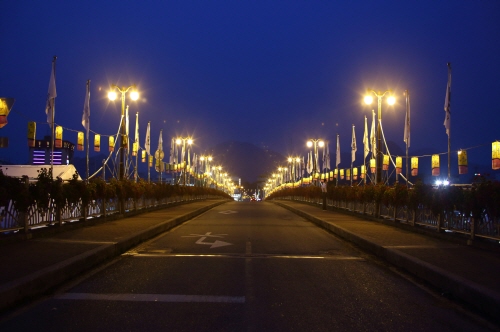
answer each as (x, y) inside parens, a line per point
(414, 166)
(363, 171)
(495, 155)
(373, 165)
(111, 143)
(97, 142)
(80, 141)
(59, 137)
(385, 164)
(355, 173)
(143, 156)
(462, 162)
(435, 165)
(399, 165)
(31, 134)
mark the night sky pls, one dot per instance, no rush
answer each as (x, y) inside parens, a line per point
(272, 73)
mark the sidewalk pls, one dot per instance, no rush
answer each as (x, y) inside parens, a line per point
(33, 267)
(463, 272)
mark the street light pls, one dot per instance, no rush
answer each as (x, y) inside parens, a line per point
(112, 95)
(315, 143)
(368, 100)
(183, 141)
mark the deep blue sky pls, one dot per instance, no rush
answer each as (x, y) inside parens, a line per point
(272, 73)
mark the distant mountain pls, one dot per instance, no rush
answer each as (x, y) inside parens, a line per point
(245, 160)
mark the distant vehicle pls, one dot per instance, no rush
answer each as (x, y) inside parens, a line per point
(253, 199)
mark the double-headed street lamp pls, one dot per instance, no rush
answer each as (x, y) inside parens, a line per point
(205, 166)
(368, 100)
(316, 143)
(183, 141)
(134, 95)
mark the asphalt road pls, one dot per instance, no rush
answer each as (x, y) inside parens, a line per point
(243, 266)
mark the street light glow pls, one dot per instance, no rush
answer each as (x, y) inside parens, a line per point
(368, 99)
(321, 144)
(112, 95)
(190, 141)
(134, 95)
(309, 144)
(391, 100)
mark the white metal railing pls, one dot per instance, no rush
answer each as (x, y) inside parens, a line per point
(456, 222)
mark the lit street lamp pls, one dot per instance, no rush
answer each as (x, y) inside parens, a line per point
(316, 143)
(368, 100)
(295, 162)
(183, 141)
(134, 95)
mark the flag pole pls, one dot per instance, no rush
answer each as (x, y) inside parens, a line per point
(407, 134)
(52, 122)
(447, 121)
(88, 145)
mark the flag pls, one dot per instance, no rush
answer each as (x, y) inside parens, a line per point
(303, 166)
(172, 152)
(309, 162)
(51, 95)
(327, 157)
(407, 120)
(126, 129)
(372, 137)
(337, 159)
(86, 111)
(136, 138)
(160, 145)
(353, 145)
(366, 142)
(147, 144)
(447, 102)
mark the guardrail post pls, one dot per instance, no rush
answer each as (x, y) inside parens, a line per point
(24, 215)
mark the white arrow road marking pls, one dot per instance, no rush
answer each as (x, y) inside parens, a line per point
(228, 212)
(215, 244)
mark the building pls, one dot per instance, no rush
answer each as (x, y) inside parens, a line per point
(41, 152)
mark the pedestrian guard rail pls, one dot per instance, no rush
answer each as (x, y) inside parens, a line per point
(484, 227)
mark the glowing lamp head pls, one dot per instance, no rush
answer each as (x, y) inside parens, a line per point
(321, 144)
(134, 95)
(391, 100)
(112, 95)
(309, 144)
(178, 141)
(190, 141)
(290, 160)
(368, 99)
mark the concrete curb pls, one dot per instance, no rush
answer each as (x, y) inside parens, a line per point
(40, 282)
(482, 299)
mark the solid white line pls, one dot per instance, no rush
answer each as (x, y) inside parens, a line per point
(248, 256)
(152, 298)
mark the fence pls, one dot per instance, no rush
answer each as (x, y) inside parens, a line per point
(485, 227)
(12, 220)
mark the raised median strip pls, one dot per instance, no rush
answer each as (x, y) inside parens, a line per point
(42, 281)
(482, 298)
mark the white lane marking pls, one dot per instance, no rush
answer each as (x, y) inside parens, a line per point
(152, 298)
(215, 244)
(207, 234)
(334, 258)
(228, 212)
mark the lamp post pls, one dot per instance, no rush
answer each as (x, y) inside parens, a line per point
(134, 95)
(205, 162)
(368, 100)
(316, 143)
(183, 141)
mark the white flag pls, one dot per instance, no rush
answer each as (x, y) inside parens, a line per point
(160, 145)
(447, 102)
(337, 159)
(136, 138)
(51, 95)
(327, 158)
(172, 152)
(407, 120)
(147, 143)
(354, 148)
(366, 142)
(86, 111)
(309, 162)
(126, 127)
(372, 137)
